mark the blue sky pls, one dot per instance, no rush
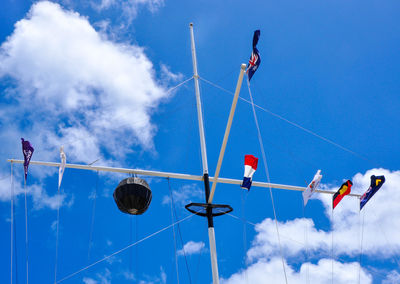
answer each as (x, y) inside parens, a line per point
(95, 76)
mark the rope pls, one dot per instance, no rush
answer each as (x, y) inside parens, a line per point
(93, 217)
(292, 123)
(26, 234)
(123, 249)
(57, 234)
(198, 266)
(361, 248)
(268, 178)
(244, 233)
(173, 231)
(332, 256)
(180, 236)
(12, 225)
(306, 244)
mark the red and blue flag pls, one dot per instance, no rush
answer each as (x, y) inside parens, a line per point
(255, 59)
(250, 166)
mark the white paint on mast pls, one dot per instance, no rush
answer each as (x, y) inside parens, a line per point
(211, 234)
(213, 254)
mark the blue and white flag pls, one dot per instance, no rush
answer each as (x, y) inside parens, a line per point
(255, 59)
(376, 184)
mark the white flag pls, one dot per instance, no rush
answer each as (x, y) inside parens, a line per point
(312, 187)
(62, 166)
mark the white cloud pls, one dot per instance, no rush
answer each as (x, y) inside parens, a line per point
(300, 237)
(191, 248)
(380, 237)
(272, 272)
(75, 87)
(41, 199)
(184, 195)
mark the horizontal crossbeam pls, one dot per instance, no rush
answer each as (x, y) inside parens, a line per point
(172, 175)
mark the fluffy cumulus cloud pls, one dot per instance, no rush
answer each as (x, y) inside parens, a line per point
(73, 86)
(379, 230)
(191, 247)
(270, 271)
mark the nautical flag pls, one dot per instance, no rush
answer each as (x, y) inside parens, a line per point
(255, 59)
(376, 184)
(62, 165)
(27, 150)
(250, 166)
(344, 189)
(312, 187)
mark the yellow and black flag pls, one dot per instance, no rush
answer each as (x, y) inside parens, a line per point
(343, 190)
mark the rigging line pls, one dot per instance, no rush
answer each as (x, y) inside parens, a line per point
(306, 243)
(57, 233)
(93, 217)
(198, 266)
(136, 248)
(333, 229)
(244, 233)
(361, 248)
(125, 248)
(12, 225)
(173, 231)
(268, 177)
(180, 235)
(130, 241)
(26, 233)
(294, 124)
(15, 247)
(14, 228)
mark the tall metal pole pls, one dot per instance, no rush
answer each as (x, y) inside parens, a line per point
(211, 233)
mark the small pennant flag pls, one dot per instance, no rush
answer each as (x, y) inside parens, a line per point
(27, 150)
(344, 189)
(250, 166)
(312, 187)
(62, 165)
(376, 184)
(255, 59)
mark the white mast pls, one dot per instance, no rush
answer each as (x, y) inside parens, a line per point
(211, 233)
(198, 103)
